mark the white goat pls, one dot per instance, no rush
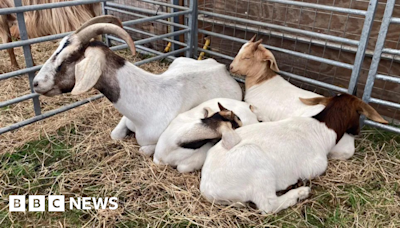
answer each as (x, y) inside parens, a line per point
(188, 137)
(149, 102)
(276, 98)
(272, 156)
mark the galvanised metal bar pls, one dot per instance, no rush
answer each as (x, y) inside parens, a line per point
(319, 6)
(105, 12)
(166, 4)
(151, 39)
(48, 114)
(383, 126)
(174, 28)
(27, 54)
(216, 54)
(18, 99)
(287, 74)
(362, 46)
(33, 41)
(387, 78)
(192, 41)
(383, 102)
(284, 28)
(391, 51)
(133, 8)
(302, 55)
(147, 19)
(20, 72)
(378, 50)
(21, 9)
(142, 16)
(395, 20)
(153, 35)
(267, 32)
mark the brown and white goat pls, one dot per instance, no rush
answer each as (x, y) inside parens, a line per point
(274, 97)
(272, 156)
(148, 102)
(45, 22)
(188, 137)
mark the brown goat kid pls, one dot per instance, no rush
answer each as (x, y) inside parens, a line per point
(44, 22)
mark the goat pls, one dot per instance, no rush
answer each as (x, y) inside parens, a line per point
(185, 142)
(265, 88)
(272, 156)
(44, 22)
(149, 102)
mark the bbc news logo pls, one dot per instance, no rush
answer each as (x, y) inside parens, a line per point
(56, 203)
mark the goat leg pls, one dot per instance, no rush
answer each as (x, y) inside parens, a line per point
(6, 37)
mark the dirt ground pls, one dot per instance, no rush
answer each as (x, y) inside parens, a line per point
(72, 154)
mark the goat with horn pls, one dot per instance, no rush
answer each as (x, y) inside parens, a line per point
(44, 22)
(148, 102)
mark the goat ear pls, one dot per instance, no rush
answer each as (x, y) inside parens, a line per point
(207, 112)
(252, 108)
(315, 100)
(88, 72)
(222, 108)
(230, 138)
(370, 113)
(253, 38)
(268, 56)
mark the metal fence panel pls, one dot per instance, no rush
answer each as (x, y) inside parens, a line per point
(316, 44)
(373, 72)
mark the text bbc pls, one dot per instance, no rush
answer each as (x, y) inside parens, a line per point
(56, 203)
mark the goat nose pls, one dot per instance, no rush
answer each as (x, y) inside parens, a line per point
(231, 67)
(35, 84)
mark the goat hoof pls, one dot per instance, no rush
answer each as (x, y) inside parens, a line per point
(184, 169)
(147, 150)
(303, 192)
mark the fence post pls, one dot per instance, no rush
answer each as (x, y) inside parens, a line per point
(362, 46)
(27, 54)
(174, 28)
(105, 12)
(192, 37)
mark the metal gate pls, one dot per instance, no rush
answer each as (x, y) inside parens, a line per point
(373, 72)
(229, 24)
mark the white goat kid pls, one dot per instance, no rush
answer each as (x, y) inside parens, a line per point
(149, 102)
(185, 142)
(272, 156)
(274, 97)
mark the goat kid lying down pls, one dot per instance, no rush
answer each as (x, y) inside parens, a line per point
(274, 155)
(266, 89)
(185, 142)
(148, 102)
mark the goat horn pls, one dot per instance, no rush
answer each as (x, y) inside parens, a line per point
(91, 31)
(100, 19)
